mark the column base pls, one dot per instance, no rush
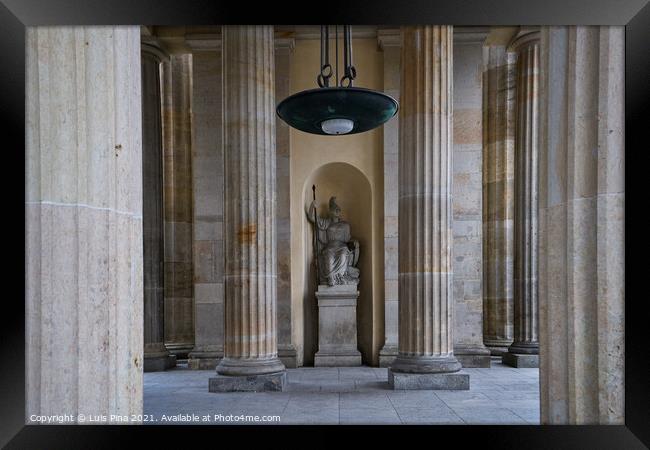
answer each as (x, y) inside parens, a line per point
(425, 364)
(473, 355)
(288, 355)
(249, 367)
(338, 359)
(428, 381)
(159, 363)
(269, 382)
(204, 360)
(181, 350)
(387, 355)
(520, 360)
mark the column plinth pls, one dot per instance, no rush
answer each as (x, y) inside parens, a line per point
(250, 347)
(425, 268)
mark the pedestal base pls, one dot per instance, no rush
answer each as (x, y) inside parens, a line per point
(387, 355)
(428, 381)
(337, 326)
(288, 355)
(203, 363)
(159, 363)
(472, 356)
(337, 360)
(520, 360)
(253, 383)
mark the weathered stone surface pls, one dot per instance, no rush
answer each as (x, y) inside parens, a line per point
(498, 195)
(177, 194)
(426, 381)
(467, 194)
(425, 202)
(390, 43)
(520, 360)
(525, 296)
(250, 346)
(337, 326)
(582, 225)
(207, 211)
(83, 221)
(254, 383)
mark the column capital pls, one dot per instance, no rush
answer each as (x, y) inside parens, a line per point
(203, 42)
(389, 38)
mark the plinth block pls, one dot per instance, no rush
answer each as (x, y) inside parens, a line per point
(520, 360)
(248, 383)
(428, 381)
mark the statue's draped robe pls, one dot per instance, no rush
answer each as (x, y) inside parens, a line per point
(335, 256)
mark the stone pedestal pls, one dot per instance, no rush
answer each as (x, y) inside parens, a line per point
(157, 358)
(520, 360)
(424, 381)
(582, 225)
(337, 326)
(254, 383)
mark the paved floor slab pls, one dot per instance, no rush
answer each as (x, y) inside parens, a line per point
(344, 395)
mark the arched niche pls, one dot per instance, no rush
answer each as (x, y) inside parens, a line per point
(354, 195)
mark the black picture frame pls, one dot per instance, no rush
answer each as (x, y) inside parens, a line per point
(15, 15)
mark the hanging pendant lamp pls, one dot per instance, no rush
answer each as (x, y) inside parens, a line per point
(341, 109)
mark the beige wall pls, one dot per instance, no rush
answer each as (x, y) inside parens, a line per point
(362, 151)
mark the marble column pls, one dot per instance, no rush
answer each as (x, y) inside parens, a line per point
(390, 43)
(426, 356)
(286, 348)
(467, 191)
(250, 354)
(581, 225)
(524, 350)
(208, 197)
(156, 355)
(177, 177)
(498, 197)
(83, 222)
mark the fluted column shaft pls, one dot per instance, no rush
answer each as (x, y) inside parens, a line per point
(250, 202)
(155, 353)
(177, 166)
(498, 197)
(526, 319)
(581, 225)
(425, 216)
(83, 221)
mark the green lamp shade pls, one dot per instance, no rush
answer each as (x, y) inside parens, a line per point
(307, 110)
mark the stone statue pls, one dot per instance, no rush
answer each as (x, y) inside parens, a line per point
(337, 252)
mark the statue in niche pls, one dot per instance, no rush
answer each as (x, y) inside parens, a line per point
(337, 253)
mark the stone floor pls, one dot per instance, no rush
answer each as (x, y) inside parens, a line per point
(350, 395)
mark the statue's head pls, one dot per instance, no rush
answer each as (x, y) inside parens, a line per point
(335, 210)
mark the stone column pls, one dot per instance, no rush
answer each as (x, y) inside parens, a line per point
(426, 356)
(524, 350)
(467, 191)
(581, 225)
(286, 349)
(156, 355)
(390, 43)
(250, 358)
(207, 195)
(177, 168)
(83, 221)
(498, 196)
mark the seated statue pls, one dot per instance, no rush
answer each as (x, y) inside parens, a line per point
(337, 252)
